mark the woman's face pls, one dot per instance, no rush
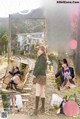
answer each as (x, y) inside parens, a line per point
(40, 52)
(64, 100)
(64, 65)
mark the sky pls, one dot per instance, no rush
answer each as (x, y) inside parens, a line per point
(12, 6)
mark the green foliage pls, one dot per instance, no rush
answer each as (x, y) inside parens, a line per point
(56, 107)
(71, 97)
(5, 100)
(22, 68)
(4, 97)
(78, 101)
(5, 104)
(52, 57)
(21, 71)
(3, 40)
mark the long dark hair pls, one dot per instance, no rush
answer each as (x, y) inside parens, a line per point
(65, 61)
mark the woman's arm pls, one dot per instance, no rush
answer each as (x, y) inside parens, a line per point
(58, 73)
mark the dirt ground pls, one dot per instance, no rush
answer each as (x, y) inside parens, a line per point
(39, 117)
(28, 107)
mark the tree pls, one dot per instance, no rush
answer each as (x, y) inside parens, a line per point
(3, 41)
(52, 57)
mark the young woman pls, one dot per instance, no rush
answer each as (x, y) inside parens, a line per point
(16, 79)
(66, 74)
(40, 74)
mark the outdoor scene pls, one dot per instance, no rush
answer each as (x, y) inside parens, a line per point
(39, 60)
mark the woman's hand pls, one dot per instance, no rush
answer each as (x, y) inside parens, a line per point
(54, 76)
(68, 77)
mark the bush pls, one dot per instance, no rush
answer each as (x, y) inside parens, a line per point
(56, 107)
(5, 100)
(5, 104)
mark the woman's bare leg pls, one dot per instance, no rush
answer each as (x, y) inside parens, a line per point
(14, 101)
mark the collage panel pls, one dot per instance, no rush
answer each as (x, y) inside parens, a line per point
(39, 59)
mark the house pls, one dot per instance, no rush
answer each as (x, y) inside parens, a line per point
(26, 40)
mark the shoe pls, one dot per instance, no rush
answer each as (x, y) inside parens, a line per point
(35, 112)
(16, 106)
(42, 110)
